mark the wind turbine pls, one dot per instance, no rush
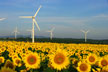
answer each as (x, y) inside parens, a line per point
(30, 31)
(85, 32)
(1, 19)
(34, 22)
(16, 31)
(51, 33)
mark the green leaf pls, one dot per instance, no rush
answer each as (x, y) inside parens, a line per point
(49, 70)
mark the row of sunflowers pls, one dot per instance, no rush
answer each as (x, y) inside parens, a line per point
(52, 57)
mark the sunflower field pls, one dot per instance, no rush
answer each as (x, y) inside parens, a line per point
(52, 57)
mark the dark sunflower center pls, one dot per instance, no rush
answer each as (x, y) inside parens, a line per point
(31, 60)
(91, 59)
(59, 58)
(83, 67)
(9, 64)
(104, 70)
(0, 60)
(104, 62)
(17, 61)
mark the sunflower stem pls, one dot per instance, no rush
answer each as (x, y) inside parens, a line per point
(31, 70)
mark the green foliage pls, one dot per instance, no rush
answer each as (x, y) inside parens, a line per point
(20, 68)
(49, 70)
(5, 54)
(58, 40)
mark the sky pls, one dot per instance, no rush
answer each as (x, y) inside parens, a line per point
(67, 16)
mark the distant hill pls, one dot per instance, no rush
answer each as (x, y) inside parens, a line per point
(56, 40)
(22, 36)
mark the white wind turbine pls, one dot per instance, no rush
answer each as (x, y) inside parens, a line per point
(34, 21)
(16, 31)
(1, 19)
(51, 33)
(85, 32)
(30, 31)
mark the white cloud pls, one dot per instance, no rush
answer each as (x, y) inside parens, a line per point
(65, 20)
(2, 19)
(101, 16)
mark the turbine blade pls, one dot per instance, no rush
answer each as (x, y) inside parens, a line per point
(25, 17)
(36, 24)
(87, 31)
(37, 11)
(82, 31)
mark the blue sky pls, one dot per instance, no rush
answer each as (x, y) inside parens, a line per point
(67, 16)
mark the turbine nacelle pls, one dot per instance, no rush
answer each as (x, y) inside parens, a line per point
(85, 31)
(51, 30)
(16, 30)
(33, 17)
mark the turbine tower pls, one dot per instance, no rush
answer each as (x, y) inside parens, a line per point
(51, 33)
(34, 22)
(1, 19)
(16, 31)
(85, 32)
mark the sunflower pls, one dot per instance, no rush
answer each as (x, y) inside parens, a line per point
(105, 69)
(15, 55)
(11, 54)
(17, 62)
(32, 60)
(92, 58)
(103, 62)
(22, 55)
(2, 60)
(4, 69)
(83, 67)
(9, 64)
(59, 60)
(74, 61)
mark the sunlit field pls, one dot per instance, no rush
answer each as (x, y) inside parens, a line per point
(52, 57)
(53, 35)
